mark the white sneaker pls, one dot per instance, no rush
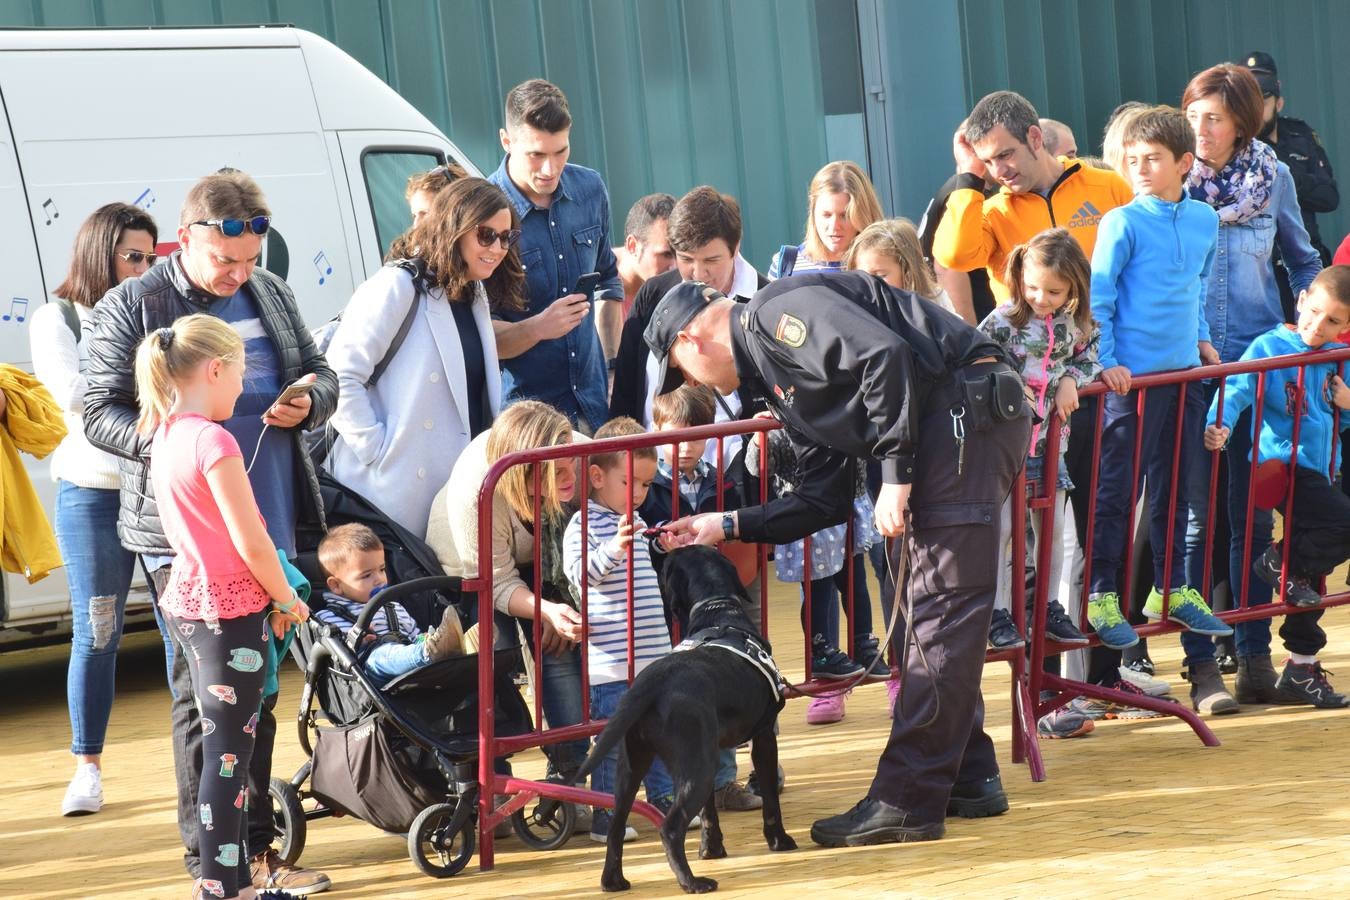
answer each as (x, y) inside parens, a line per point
(85, 793)
(629, 835)
(1154, 687)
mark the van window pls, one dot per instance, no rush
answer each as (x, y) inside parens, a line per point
(386, 173)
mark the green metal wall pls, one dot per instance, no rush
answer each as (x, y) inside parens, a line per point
(668, 94)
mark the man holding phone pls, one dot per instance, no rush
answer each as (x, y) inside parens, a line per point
(287, 386)
(556, 350)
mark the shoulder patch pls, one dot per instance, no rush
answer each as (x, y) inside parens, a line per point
(790, 331)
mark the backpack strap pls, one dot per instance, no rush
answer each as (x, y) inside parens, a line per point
(418, 272)
(787, 259)
(70, 315)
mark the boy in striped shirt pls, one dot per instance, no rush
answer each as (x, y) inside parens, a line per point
(609, 541)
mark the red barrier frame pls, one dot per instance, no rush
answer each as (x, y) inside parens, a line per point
(1064, 689)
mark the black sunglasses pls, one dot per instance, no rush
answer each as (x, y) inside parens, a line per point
(235, 227)
(135, 257)
(487, 237)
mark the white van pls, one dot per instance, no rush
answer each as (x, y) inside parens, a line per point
(92, 116)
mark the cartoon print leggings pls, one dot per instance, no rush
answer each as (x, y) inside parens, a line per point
(228, 662)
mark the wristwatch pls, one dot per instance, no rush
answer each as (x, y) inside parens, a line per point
(728, 527)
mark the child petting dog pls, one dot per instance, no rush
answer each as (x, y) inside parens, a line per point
(609, 544)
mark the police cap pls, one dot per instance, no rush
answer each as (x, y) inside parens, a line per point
(675, 311)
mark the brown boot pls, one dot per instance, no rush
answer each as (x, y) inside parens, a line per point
(446, 639)
(1256, 680)
(1208, 695)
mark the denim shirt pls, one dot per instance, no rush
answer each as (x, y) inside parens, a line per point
(558, 245)
(1243, 299)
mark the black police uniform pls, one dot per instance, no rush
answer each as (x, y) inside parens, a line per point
(1301, 150)
(854, 368)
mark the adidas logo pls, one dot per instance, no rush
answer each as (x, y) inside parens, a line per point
(1087, 216)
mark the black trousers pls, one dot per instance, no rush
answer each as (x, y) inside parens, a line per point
(937, 736)
(187, 752)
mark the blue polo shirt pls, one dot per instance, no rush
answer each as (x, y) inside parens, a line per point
(557, 246)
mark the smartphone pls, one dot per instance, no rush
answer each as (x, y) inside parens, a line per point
(292, 391)
(587, 284)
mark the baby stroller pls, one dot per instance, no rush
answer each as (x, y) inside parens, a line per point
(404, 756)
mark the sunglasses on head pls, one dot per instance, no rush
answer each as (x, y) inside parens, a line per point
(135, 257)
(235, 227)
(487, 237)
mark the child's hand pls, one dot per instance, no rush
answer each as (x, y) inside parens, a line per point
(1216, 436)
(283, 614)
(1117, 378)
(1208, 355)
(623, 539)
(1340, 392)
(1066, 398)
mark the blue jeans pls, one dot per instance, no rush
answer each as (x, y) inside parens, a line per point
(1116, 494)
(1251, 638)
(604, 701)
(390, 659)
(98, 573)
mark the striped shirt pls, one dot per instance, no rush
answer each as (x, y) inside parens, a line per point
(342, 613)
(607, 597)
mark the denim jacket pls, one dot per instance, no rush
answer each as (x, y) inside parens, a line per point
(558, 246)
(1243, 300)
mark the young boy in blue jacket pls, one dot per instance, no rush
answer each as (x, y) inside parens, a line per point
(1149, 267)
(1318, 532)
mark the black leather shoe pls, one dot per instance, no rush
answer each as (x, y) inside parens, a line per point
(978, 799)
(873, 822)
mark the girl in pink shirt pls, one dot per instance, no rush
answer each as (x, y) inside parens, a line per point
(226, 585)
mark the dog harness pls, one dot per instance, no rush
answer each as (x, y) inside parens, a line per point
(731, 639)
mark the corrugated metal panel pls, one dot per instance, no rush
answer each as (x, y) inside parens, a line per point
(666, 94)
(1076, 60)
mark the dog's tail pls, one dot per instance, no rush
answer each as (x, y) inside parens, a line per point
(631, 708)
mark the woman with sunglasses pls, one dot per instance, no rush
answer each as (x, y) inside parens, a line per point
(398, 439)
(115, 243)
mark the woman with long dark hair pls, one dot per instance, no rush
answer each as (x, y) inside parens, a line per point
(397, 439)
(116, 242)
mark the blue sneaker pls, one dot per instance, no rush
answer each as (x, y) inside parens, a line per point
(1187, 608)
(1105, 618)
(600, 820)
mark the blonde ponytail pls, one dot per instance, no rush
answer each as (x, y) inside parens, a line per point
(168, 355)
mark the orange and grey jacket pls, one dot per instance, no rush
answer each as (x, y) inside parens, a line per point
(978, 232)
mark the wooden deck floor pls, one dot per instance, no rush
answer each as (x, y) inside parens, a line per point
(1137, 809)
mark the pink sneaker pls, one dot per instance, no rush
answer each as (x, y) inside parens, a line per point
(825, 710)
(893, 691)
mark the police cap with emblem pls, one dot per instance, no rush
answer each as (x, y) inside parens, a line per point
(675, 311)
(1263, 69)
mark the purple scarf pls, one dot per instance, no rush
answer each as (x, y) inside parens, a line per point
(1241, 191)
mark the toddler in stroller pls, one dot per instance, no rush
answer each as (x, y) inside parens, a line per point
(401, 753)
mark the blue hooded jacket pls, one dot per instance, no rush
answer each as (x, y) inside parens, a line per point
(1316, 434)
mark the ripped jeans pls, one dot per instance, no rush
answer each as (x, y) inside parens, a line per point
(98, 573)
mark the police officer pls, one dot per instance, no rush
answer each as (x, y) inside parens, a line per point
(856, 369)
(1298, 146)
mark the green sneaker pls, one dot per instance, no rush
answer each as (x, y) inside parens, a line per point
(1188, 609)
(1105, 618)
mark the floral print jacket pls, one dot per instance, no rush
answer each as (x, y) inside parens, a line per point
(1046, 350)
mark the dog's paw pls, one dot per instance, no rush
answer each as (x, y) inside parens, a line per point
(700, 886)
(614, 883)
(781, 842)
(716, 850)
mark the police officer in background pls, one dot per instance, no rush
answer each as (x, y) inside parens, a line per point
(1298, 146)
(856, 369)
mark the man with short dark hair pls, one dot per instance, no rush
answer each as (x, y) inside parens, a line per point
(564, 215)
(645, 251)
(1002, 140)
(221, 228)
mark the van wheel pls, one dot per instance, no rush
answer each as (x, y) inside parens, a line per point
(288, 820)
(441, 839)
(545, 826)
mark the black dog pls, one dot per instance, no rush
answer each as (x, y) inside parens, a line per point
(686, 706)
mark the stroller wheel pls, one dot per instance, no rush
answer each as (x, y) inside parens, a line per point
(545, 826)
(441, 839)
(288, 819)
